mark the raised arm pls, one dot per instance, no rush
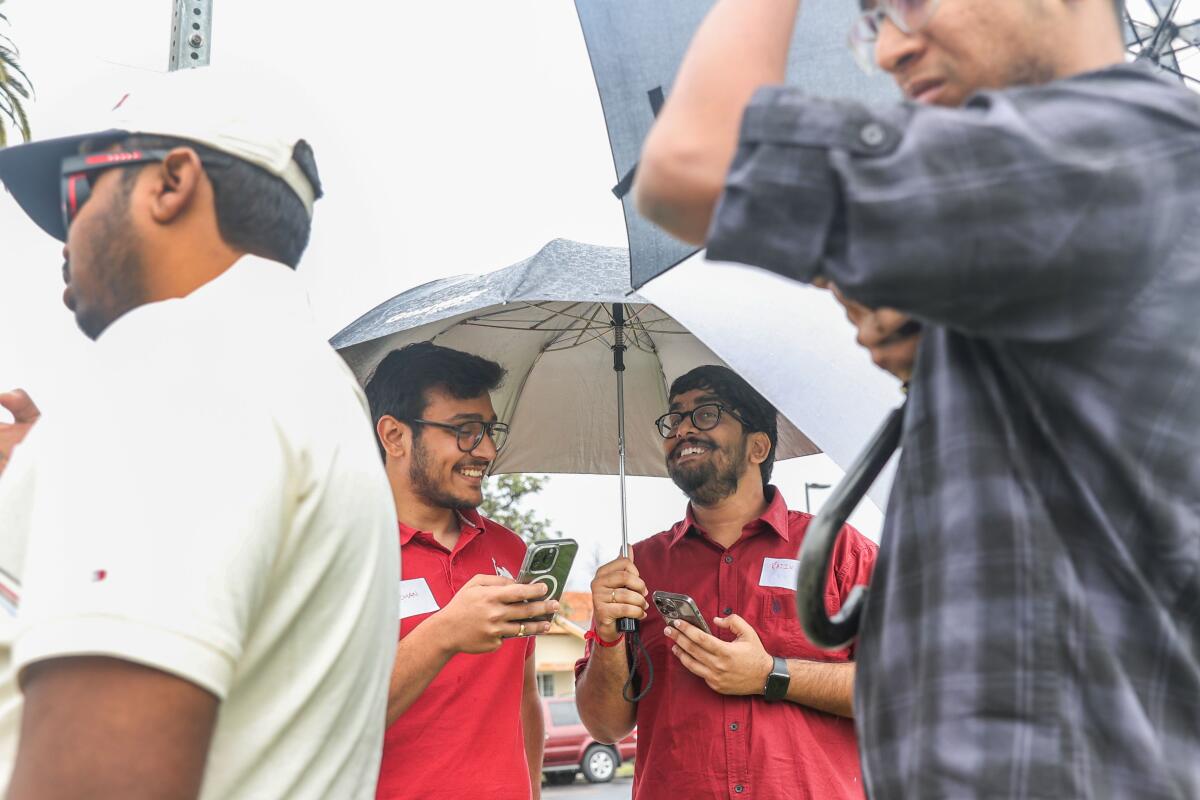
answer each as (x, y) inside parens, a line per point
(740, 46)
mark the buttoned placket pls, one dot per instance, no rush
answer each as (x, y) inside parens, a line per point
(735, 708)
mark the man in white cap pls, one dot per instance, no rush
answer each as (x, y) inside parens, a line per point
(201, 542)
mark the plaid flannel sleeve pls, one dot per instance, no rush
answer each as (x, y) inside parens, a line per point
(1026, 214)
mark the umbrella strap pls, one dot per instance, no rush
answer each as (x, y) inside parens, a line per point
(638, 652)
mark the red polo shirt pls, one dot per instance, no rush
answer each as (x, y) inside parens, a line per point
(694, 743)
(462, 737)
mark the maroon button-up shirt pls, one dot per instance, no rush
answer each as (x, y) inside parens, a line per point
(694, 743)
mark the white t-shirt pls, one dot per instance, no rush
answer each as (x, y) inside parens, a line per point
(212, 503)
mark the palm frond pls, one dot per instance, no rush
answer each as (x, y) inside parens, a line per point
(15, 89)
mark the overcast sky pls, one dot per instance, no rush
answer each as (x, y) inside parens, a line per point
(452, 137)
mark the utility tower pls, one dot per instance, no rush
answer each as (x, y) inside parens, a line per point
(191, 34)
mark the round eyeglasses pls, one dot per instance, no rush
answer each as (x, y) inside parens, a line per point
(909, 16)
(704, 418)
(468, 435)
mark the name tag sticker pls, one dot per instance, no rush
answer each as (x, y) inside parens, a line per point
(779, 572)
(416, 598)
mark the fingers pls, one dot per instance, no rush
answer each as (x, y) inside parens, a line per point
(20, 405)
(692, 639)
(518, 592)
(617, 566)
(693, 665)
(738, 626)
(629, 597)
(483, 579)
(520, 611)
(513, 630)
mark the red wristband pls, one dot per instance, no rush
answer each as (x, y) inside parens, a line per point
(592, 636)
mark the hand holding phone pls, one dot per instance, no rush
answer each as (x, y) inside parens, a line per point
(548, 563)
(680, 606)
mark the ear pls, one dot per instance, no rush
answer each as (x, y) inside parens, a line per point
(177, 183)
(759, 448)
(394, 435)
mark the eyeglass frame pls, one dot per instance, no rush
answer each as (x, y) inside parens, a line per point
(884, 9)
(487, 429)
(691, 415)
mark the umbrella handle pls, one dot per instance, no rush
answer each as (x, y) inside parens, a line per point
(812, 574)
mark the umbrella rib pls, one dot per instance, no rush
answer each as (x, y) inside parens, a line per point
(587, 324)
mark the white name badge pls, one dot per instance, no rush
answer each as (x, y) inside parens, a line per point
(779, 572)
(416, 598)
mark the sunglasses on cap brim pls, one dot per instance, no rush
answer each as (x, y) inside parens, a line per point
(79, 171)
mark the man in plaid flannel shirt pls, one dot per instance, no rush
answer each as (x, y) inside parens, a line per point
(1034, 625)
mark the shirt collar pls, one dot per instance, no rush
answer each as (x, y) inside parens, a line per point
(775, 518)
(468, 519)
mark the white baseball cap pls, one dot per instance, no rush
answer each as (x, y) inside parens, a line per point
(203, 106)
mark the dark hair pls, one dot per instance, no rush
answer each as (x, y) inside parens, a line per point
(760, 415)
(399, 386)
(257, 212)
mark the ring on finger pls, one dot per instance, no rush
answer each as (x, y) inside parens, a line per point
(613, 599)
(521, 630)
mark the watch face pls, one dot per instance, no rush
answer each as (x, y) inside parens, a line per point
(778, 681)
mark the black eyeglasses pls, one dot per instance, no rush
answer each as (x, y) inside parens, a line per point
(78, 173)
(468, 435)
(704, 418)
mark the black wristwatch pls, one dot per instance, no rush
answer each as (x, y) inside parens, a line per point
(778, 680)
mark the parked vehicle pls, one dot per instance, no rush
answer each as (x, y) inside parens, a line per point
(570, 749)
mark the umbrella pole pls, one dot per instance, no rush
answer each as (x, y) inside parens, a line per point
(623, 625)
(619, 368)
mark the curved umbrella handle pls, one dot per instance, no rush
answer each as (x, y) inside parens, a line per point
(811, 577)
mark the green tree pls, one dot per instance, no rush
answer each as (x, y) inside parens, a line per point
(503, 501)
(15, 89)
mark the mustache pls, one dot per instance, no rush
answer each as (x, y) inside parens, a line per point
(691, 440)
(483, 464)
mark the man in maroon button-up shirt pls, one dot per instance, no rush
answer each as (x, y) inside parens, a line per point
(721, 719)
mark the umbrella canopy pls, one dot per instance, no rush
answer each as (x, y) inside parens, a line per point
(636, 47)
(549, 321)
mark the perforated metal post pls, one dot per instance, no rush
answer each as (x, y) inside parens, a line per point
(191, 34)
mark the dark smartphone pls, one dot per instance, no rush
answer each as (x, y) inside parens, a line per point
(680, 606)
(548, 562)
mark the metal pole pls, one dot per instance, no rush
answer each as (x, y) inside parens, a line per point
(807, 486)
(625, 626)
(191, 34)
(619, 368)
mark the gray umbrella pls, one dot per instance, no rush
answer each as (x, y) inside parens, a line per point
(635, 48)
(558, 322)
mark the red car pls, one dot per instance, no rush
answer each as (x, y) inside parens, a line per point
(570, 749)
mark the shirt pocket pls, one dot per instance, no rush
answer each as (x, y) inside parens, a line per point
(780, 631)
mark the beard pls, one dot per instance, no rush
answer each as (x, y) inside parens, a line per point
(117, 272)
(711, 481)
(426, 486)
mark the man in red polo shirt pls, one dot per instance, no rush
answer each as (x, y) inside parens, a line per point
(753, 710)
(464, 716)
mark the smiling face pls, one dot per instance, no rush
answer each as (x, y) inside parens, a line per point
(707, 465)
(969, 45)
(440, 473)
(103, 269)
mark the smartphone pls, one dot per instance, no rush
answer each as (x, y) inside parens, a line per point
(680, 606)
(548, 562)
